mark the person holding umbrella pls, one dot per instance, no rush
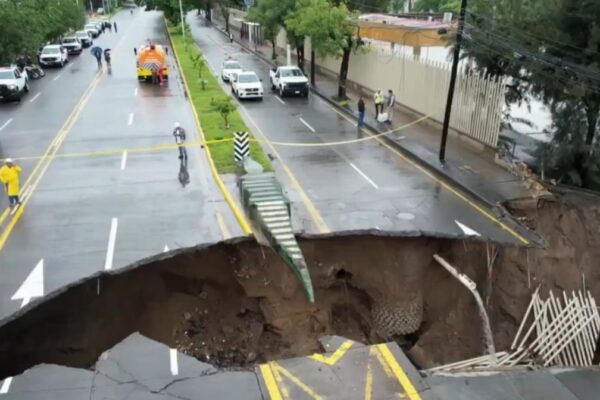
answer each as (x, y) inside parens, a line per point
(97, 52)
(107, 57)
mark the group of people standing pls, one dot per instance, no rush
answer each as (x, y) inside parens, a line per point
(381, 102)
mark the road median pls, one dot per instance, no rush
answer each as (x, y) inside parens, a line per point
(211, 121)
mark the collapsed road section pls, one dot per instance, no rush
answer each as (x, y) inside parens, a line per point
(235, 303)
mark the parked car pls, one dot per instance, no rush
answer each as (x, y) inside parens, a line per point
(13, 84)
(230, 67)
(72, 44)
(85, 38)
(289, 80)
(54, 55)
(246, 85)
(92, 29)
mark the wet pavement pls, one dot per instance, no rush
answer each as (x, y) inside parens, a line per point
(140, 368)
(83, 210)
(340, 181)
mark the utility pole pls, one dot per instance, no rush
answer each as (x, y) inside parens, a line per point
(182, 23)
(459, 34)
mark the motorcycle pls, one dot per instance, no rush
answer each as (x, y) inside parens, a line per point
(34, 71)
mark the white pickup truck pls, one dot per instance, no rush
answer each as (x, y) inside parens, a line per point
(13, 84)
(289, 80)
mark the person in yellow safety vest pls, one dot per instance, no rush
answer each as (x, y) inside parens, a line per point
(378, 99)
(9, 176)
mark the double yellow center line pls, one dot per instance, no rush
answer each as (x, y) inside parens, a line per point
(44, 162)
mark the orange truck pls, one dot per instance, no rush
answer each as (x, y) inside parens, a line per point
(152, 62)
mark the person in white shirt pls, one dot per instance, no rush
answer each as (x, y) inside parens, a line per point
(179, 134)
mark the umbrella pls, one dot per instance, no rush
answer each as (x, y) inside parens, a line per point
(96, 51)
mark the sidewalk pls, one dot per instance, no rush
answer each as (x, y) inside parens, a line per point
(468, 166)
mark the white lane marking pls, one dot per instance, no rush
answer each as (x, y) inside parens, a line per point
(6, 385)
(35, 97)
(6, 124)
(130, 119)
(166, 248)
(307, 125)
(279, 98)
(466, 230)
(57, 77)
(135, 92)
(112, 238)
(173, 361)
(33, 286)
(124, 160)
(26, 191)
(363, 175)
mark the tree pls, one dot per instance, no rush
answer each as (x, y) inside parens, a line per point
(27, 24)
(549, 51)
(224, 106)
(272, 15)
(437, 6)
(269, 14)
(332, 29)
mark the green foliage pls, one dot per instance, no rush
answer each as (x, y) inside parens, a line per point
(27, 24)
(329, 26)
(551, 52)
(210, 118)
(437, 6)
(224, 106)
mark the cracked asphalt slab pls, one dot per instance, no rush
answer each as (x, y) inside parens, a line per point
(90, 212)
(140, 368)
(359, 185)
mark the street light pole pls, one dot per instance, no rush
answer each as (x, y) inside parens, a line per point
(459, 34)
(182, 24)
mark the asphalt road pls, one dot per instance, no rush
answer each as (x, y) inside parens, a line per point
(361, 185)
(85, 211)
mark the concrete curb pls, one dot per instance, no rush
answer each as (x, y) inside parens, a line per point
(499, 211)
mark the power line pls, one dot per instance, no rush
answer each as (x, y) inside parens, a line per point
(565, 80)
(529, 34)
(539, 56)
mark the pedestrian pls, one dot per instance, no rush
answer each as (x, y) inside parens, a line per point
(361, 112)
(378, 99)
(391, 101)
(103, 28)
(9, 176)
(109, 26)
(179, 135)
(115, 24)
(98, 56)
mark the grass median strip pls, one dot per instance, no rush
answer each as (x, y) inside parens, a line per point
(213, 123)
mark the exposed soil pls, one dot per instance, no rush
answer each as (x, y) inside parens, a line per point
(235, 303)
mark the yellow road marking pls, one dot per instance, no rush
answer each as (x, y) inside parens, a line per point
(369, 382)
(53, 147)
(335, 357)
(399, 373)
(305, 388)
(458, 194)
(279, 379)
(223, 226)
(272, 388)
(4, 215)
(56, 146)
(386, 367)
(234, 208)
(311, 208)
